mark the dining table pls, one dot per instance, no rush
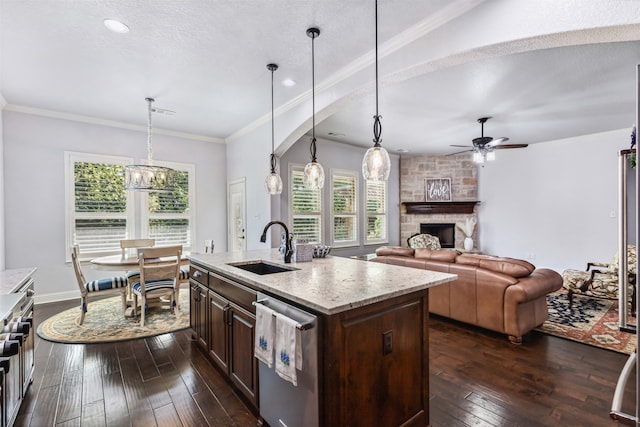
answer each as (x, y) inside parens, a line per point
(117, 262)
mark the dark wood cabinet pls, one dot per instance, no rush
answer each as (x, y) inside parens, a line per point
(198, 313)
(223, 322)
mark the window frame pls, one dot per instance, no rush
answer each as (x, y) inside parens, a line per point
(145, 215)
(70, 159)
(296, 168)
(341, 173)
(385, 214)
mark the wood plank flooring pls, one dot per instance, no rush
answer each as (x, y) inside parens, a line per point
(477, 379)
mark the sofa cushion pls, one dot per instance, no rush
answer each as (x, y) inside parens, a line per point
(394, 250)
(445, 255)
(510, 266)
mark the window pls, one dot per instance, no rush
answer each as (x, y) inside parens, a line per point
(168, 217)
(100, 212)
(344, 211)
(376, 212)
(306, 208)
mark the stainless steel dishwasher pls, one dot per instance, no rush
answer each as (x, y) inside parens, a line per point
(281, 403)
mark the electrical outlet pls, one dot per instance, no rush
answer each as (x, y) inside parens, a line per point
(387, 342)
(612, 214)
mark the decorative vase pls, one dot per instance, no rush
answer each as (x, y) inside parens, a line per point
(468, 243)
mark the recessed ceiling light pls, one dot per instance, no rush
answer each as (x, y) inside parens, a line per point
(335, 134)
(288, 82)
(116, 26)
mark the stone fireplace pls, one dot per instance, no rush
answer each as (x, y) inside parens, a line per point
(415, 211)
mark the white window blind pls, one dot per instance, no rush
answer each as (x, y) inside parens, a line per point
(99, 210)
(344, 208)
(376, 212)
(168, 216)
(306, 208)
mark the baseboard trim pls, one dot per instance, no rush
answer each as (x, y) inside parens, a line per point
(56, 297)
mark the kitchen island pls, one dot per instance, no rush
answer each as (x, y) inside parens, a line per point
(373, 346)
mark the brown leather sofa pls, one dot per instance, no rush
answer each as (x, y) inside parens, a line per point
(505, 295)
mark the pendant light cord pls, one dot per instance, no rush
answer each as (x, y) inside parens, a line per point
(149, 130)
(312, 148)
(272, 67)
(377, 125)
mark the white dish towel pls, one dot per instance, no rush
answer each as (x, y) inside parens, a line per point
(265, 334)
(288, 349)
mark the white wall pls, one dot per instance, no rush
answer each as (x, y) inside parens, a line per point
(552, 203)
(344, 157)
(3, 103)
(34, 149)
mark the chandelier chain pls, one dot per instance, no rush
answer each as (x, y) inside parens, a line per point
(149, 132)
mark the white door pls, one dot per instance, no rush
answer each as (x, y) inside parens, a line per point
(237, 215)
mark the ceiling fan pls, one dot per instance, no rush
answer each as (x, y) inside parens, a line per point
(484, 146)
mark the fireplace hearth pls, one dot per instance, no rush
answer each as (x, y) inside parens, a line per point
(443, 231)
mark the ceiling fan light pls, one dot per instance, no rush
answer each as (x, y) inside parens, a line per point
(478, 157)
(273, 184)
(491, 155)
(376, 164)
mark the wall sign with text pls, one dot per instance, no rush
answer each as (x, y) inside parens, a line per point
(437, 189)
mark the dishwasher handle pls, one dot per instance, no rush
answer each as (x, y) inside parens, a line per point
(299, 326)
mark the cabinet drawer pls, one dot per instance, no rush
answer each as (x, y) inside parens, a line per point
(233, 291)
(199, 274)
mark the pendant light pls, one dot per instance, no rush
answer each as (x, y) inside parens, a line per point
(376, 163)
(273, 183)
(148, 177)
(313, 171)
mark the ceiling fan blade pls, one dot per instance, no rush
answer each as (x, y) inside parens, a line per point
(497, 141)
(501, 147)
(459, 152)
(465, 146)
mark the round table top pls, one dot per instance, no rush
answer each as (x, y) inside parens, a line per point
(116, 262)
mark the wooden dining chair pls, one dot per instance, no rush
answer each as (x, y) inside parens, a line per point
(96, 287)
(159, 277)
(135, 243)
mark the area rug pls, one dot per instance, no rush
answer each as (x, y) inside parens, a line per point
(105, 322)
(592, 321)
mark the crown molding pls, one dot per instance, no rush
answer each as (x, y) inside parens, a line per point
(108, 123)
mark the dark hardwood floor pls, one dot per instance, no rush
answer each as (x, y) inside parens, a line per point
(477, 379)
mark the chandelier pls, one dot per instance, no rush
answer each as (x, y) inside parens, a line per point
(147, 177)
(376, 163)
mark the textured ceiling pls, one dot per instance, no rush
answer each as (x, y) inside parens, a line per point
(206, 60)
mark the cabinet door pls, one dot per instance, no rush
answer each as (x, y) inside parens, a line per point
(218, 308)
(201, 314)
(243, 366)
(198, 313)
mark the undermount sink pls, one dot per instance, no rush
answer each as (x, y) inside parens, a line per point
(261, 267)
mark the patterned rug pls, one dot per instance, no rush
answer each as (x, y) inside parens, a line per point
(105, 322)
(592, 321)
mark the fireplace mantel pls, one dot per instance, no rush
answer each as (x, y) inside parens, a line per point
(440, 207)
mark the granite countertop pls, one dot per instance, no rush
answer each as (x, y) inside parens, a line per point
(11, 280)
(327, 285)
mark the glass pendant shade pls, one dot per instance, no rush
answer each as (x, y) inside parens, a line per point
(376, 164)
(313, 175)
(148, 177)
(273, 183)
